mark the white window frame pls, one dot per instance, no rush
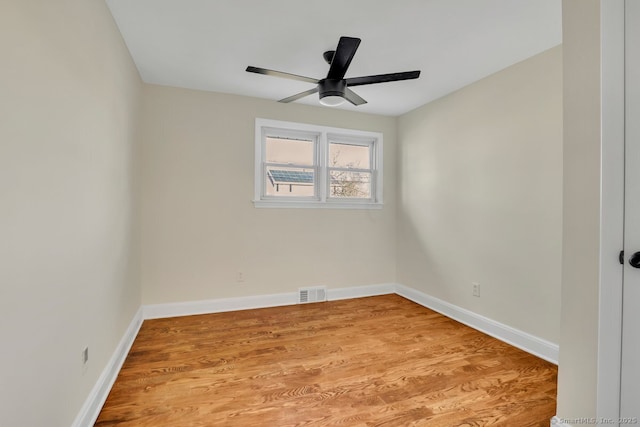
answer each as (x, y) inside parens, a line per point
(322, 135)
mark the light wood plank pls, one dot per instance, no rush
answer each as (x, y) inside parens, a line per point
(377, 361)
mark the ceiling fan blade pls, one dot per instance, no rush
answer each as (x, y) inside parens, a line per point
(382, 78)
(273, 73)
(300, 95)
(353, 97)
(347, 47)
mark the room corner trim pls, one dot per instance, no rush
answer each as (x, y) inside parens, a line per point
(531, 344)
(93, 404)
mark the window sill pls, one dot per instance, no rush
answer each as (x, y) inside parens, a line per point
(312, 204)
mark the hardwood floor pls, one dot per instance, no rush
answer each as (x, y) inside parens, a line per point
(377, 361)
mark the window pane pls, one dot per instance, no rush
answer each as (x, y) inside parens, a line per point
(289, 151)
(349, 156)
(345, 184)
(286, 181)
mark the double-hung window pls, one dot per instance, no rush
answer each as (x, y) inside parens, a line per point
(301, 165)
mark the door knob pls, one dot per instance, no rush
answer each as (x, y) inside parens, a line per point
(634, 261)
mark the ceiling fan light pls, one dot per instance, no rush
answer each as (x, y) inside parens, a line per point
(332, 92)
(331, 100)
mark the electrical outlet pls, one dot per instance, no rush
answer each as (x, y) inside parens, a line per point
(239, 276)
(476, 289)
(85, 355)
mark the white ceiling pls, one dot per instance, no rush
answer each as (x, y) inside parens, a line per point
(207, 44)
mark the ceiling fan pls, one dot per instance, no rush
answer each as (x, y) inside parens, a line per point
(335, 89)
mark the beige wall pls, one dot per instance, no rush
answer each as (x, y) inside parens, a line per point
(480, 196)
(68, 280)
(581, 232)
(200, 227)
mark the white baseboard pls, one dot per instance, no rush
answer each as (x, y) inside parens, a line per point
(361, 291)
(93, 404)
(543, 349)
(156, 311)
(189, 308)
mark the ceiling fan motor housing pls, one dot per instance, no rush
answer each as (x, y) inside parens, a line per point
(331, 87)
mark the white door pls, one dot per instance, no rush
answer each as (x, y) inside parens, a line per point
(630, 378)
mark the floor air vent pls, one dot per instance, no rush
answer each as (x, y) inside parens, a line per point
(315, 294)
